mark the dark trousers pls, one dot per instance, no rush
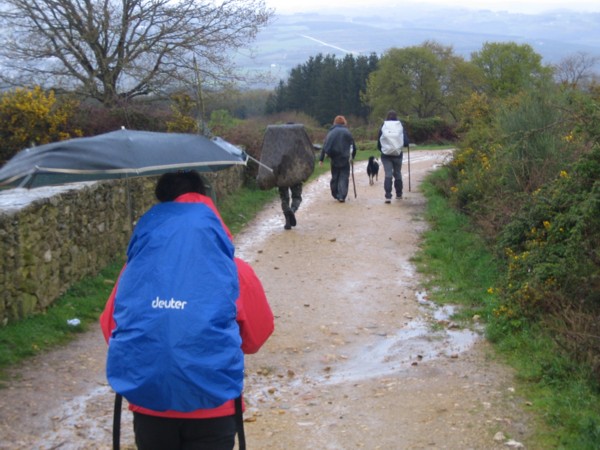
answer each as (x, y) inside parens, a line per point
(294, 193)
(340, 177)
(392, 166)
(161, 433)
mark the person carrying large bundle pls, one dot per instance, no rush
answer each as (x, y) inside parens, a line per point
(288, 152)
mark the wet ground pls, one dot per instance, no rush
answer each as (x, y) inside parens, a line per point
(360, 357)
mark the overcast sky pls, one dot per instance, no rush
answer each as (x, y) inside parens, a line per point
(525, 6)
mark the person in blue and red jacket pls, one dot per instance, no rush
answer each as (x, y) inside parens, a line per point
(181, 316)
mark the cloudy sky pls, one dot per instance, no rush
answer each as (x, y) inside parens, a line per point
(524, 6)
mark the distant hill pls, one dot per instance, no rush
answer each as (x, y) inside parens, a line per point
(291, 39)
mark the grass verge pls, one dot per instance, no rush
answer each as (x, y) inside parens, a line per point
(460, 270)
(83, 301)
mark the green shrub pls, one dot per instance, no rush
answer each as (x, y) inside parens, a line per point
(536, 135)
(531, 185)
(560, 387)
(432, 130)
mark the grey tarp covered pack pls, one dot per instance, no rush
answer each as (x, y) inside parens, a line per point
(288, 151)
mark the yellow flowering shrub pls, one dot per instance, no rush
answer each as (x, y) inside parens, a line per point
(33, 117)
(183, 120)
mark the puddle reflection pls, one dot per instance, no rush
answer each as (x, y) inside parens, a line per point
(386, 355)
(418, 341)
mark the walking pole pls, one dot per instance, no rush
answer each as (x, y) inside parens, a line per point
(408, 149)
(117, 422)
(352, 170)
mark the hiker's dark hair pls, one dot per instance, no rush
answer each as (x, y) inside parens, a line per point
(173, 184)
(391, 115)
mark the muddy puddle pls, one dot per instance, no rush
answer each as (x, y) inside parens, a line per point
(426, 338)
(422, 339)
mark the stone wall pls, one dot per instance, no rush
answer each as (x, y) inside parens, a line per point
(55, 241)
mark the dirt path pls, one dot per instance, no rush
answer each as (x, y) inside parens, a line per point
(359, 359)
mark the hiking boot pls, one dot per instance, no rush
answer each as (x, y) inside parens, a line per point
(292, 218)
(288, 220)
(388, 200)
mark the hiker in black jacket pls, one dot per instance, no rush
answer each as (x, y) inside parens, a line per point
(340, 147)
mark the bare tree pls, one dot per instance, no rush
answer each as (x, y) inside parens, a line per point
(121, 49)
(576, 70)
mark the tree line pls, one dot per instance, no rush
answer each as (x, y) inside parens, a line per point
(420, 82)
(324, 87)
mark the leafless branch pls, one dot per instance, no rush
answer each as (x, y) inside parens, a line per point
(111, 49)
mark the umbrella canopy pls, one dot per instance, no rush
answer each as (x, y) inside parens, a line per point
(118, 154)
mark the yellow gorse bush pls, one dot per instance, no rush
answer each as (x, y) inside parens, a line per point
(183, 115)
(33, 117)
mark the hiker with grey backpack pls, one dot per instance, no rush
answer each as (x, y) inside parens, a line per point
(391, 140)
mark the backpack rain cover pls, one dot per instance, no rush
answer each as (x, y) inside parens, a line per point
(392, 138)
(176, 345)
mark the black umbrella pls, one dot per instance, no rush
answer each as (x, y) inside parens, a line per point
(118, 154)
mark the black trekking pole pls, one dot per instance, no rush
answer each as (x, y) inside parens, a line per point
(352, 171)
(239, 420)
(117, 422)
(351, 158)
(408, 150)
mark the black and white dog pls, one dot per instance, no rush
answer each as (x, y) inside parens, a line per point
(372, 169)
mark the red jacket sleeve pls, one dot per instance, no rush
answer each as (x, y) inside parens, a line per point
(254, 315)
(107, 321)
